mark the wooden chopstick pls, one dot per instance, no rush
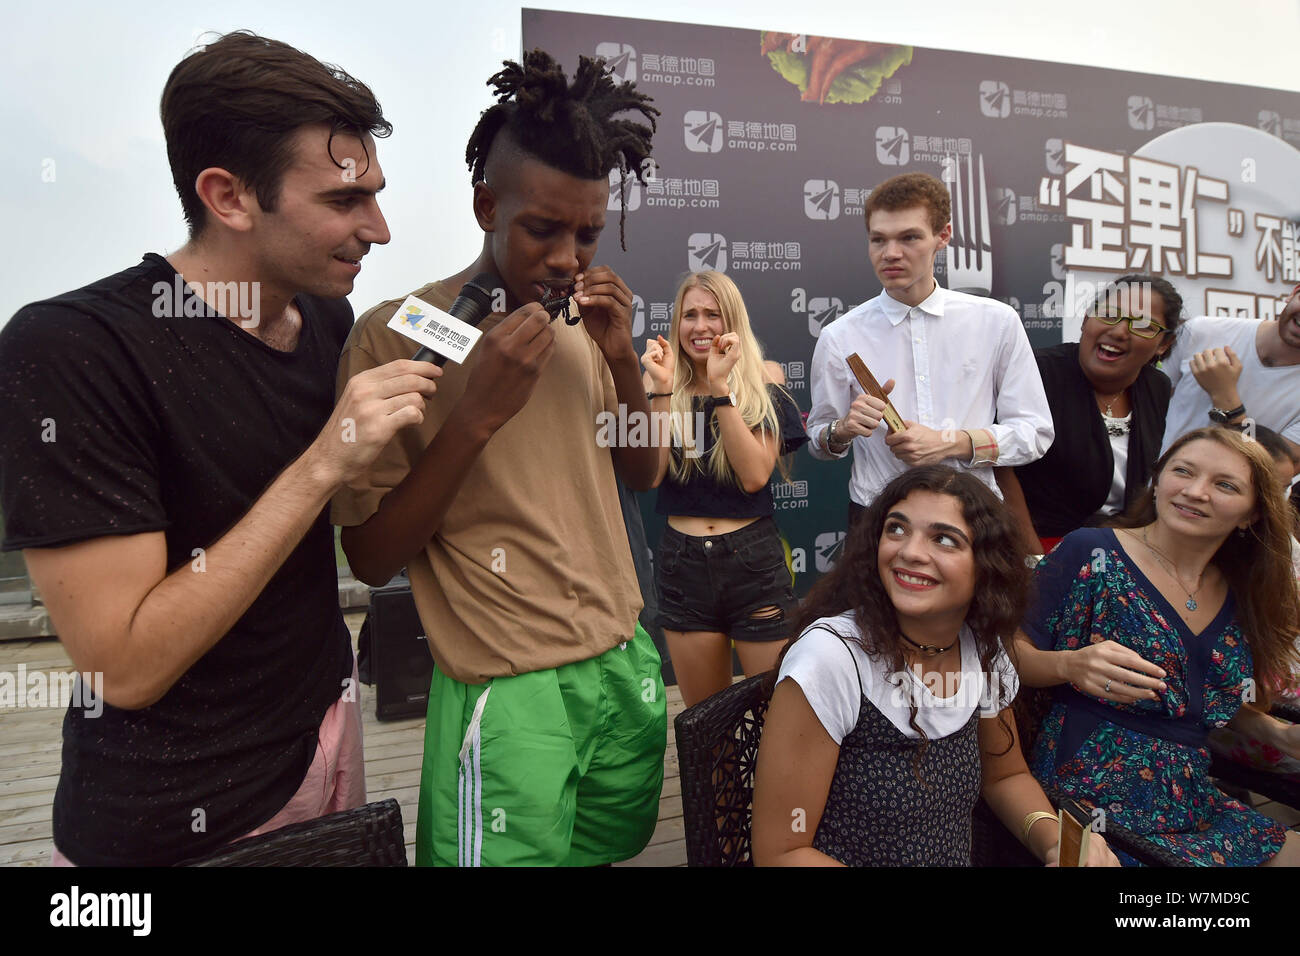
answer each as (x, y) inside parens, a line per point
(872, 387)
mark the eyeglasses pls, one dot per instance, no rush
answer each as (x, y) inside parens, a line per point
(1140, 326)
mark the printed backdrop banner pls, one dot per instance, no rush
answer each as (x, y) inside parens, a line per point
(770, 143)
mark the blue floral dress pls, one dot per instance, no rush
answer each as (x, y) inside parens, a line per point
(1146, 764)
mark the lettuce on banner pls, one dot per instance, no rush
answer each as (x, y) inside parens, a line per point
(858, 82)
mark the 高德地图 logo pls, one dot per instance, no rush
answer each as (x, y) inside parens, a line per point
(821, 199)
(706, 251)
(620, 60)
(1141, 112)
(827, 549)
(892, 146)
(702, 130)
(624, 188)
(995, 99)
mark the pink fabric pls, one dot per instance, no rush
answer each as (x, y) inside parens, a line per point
(336, 779)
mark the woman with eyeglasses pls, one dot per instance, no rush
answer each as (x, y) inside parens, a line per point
(1109, 403)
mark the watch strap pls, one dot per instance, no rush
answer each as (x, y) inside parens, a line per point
(1223, 417)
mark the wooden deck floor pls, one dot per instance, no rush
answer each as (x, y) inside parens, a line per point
(31, 738)
(30, 741)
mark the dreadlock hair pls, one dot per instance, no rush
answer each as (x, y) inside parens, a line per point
(568, 127)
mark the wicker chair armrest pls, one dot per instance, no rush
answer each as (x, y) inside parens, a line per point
(716, 743)
(365, 836)
(1288, 710)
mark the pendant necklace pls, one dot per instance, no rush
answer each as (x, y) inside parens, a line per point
(1191, 604)
(1115, 426)
(1109, 402)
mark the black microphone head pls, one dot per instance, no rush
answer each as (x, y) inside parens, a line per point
(484, 282)
(474, 303)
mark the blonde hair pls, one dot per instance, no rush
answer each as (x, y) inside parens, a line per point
(746, 380)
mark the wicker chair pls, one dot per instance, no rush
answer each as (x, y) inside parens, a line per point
(717, 744)
(1280, 787)
(366, 836)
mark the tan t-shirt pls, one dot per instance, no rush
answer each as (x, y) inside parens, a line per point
(531, 567)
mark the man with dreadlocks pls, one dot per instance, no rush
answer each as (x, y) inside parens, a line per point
(546, 722)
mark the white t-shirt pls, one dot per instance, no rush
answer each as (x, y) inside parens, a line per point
(819, 662)
(1271, 394)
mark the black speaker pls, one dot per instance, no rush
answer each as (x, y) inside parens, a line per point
(400, 660)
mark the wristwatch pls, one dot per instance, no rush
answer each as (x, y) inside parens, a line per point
(729, 399)
(830, 436)
(1219, 416)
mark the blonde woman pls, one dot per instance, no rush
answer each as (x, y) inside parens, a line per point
(721, 571)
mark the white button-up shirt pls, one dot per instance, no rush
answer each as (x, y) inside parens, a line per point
(959, 361)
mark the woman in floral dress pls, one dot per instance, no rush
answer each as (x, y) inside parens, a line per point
(1159, 631)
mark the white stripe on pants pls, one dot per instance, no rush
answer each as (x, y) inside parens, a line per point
(469, 802)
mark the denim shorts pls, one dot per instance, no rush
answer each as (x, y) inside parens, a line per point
(716, 583)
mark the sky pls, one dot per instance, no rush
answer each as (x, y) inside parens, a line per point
(84, 183)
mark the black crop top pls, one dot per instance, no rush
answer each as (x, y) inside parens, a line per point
(703, 496)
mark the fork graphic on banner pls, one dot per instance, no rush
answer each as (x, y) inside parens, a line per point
(970, 253)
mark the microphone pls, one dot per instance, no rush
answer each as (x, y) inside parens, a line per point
(472, 306)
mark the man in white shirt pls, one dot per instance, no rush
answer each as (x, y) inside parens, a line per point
(1240, 368)
(959, 367)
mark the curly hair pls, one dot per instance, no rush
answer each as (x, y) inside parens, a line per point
(568, 127)
(1002, 580)
(908, 191)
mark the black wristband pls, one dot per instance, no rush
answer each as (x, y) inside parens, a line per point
(653, 395)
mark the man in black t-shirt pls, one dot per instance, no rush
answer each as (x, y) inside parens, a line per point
(168, 441)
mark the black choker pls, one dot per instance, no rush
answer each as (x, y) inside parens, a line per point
(929, 650)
